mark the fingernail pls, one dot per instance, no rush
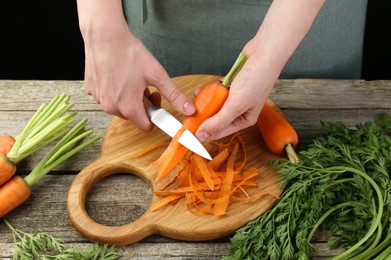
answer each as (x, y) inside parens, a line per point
(202, 136)
(189, 108)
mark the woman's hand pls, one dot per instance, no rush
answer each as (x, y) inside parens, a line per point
(119, 68)
(285, 25)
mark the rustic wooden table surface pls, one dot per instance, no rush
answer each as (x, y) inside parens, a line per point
(122, 198)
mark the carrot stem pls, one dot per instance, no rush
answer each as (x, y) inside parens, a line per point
(62, 151)
(46, 125)
(292, 155)
(240, 61)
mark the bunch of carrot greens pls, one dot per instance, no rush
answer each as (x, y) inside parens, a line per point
(49, 123)
(342, 185)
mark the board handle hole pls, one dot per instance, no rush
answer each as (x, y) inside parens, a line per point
(118, 199)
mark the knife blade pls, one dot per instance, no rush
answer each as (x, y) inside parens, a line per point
(170, 125)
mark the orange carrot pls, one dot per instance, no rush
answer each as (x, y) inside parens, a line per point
(47, 124)
(7, 169)
(16, 190)
(6, 143)
(208, 102)
(13, 193)
(278, 134)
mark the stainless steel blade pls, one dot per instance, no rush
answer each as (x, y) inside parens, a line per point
(170, 125)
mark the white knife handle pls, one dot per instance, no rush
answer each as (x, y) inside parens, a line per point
(150, 109)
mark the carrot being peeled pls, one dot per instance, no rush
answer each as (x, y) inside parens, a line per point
(208, 102)
(278, 134)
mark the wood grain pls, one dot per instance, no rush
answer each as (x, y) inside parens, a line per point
(121, 140)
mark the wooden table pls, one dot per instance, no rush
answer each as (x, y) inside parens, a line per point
(122, 198)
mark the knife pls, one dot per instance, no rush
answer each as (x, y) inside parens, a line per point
(170, 125)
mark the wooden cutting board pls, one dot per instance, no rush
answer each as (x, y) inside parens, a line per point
(175, 221)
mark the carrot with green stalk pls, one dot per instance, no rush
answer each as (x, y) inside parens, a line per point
(47, 124)
(208, 102)
(17, 190)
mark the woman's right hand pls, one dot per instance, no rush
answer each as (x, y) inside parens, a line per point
(119, 68)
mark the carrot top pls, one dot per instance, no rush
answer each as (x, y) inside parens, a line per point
(69, 145)
(47, 125)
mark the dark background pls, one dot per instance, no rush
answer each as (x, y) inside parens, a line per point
(41, 40)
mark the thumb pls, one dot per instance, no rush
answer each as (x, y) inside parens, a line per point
(218, 126)
(178, 100)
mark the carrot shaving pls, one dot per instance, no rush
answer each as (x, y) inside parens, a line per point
(174, 147)
(163, 202)
(221, 207)
(205, 171)
(219, 159)
(148, 149)
(171, 176)
(207, 187)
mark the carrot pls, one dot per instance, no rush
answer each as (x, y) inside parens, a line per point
(278, 134)
(6, 143)
(17, 189)
(208, 102)
(13, 193)
(7, 169)
(48, 124)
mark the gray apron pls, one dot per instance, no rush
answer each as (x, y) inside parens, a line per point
(206, 36)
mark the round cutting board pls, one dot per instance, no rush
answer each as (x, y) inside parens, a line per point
(176, 221)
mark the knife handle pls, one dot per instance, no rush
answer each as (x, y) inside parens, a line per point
(149, 107)
(147, 102)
